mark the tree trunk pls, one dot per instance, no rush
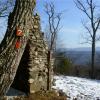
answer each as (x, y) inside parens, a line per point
(10, 56)
(49, 71)
(93, 58)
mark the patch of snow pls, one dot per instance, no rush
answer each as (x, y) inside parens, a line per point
(80, 88)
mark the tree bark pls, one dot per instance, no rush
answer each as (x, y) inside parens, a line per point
(49, 70)
(10, 56)
(93, 58)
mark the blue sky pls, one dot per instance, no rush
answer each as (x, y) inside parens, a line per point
(70, 36)
(72, 30)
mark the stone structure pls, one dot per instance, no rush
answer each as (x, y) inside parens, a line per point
(38, 59)
(32, 71)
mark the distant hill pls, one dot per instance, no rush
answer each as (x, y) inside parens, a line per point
(81, 56)
(82, 49)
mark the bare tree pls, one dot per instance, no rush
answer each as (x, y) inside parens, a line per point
(6, 7)
(89, 8)
(54, 19)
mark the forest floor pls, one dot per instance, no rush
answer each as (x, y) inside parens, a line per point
(40, 95)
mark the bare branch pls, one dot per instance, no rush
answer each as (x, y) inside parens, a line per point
(98, 38)
(86, 42)
(4, 16)
(88, 2)
(54, 22)
(97, 27)
(88, 29)
(80, 6)
(5, 7)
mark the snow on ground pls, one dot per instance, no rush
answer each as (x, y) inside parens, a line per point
(80, 88)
